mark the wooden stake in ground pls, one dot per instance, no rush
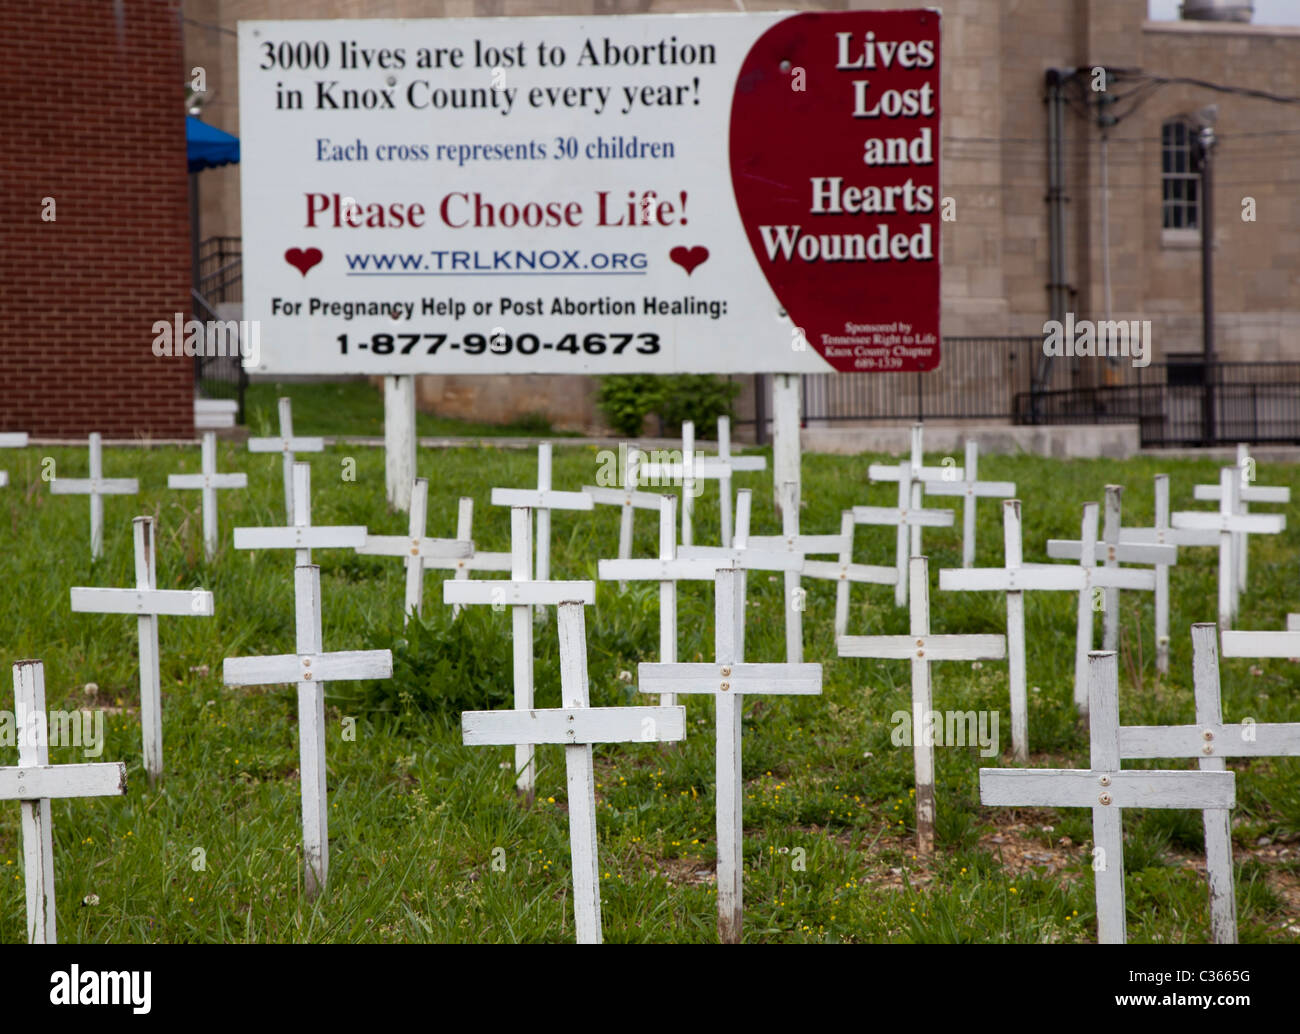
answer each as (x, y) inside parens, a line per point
(302, 536)
(521, 593)
(1227, 522)
(1112, 550)
(1107, 791)
(475, 560)
(96, 486)
(906, 515)
(971, 488)
(33, 783)
(577, 725)
(543, 500)
(414, 548)
(287, 444)
(11, 440)
(147, 602)
(923, 649)
(729, 680)
(310, 667)
(208, 482)
(1210, 741)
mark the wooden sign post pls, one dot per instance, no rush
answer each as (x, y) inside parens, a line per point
(33, 783)
(472, 561)
(147, 602)
(96, 486)
(521, 593)
(208, 482)
(302, 536)
(1112, 550)
(843, 572)
(310, 667)
(923, 649)
(1107, 791)
(287, 444)
(577, 725)
(1227, 522)
(543, 500)
(907, 515)
(971, 488)
(11, 440)
(414, 548)
(1210, 741)
(729, 679)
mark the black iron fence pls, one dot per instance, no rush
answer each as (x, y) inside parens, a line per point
(220, 281)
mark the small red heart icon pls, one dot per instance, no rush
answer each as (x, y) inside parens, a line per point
(689, 258)
(303, 260)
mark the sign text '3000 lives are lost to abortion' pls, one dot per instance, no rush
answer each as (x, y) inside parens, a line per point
(692, 193)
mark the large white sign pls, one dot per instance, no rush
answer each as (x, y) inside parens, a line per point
(558, 195)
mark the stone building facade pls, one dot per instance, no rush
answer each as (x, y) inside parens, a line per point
(996, 54)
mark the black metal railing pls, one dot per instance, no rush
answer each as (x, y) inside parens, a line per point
(220, 280)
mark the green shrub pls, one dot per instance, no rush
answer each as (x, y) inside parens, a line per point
(627, 399)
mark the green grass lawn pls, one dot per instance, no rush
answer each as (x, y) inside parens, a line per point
(214, 854)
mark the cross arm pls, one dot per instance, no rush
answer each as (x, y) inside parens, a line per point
(340, 536)
(574, 725)
(104, 486)
(1253, 523)
(850, 572)
(175, 602)
(1080, 788)
(928, 647)
(893, 515)
(203, 480)
(983, 489)
(340, 666)
(743, 557)
(286, 444)
(541, 499)
(1261, 644)
(765, 679)
(889, 472)
(34, 782)
(1210, 741)
(623, 497)
(404, 545)
(804, 544)
(1246, 494)
(1125, 552)
(1170, 536)
(518, 594)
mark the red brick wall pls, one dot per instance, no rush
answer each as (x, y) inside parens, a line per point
(92, 113)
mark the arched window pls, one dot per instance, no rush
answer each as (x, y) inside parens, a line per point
(1180, 185)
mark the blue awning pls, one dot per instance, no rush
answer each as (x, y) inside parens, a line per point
(209, 147)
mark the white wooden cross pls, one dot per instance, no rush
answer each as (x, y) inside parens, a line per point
(1210, 741)
(628, 499)
(474, 560)
(287, 444)
(742, 554)
(11, 440)
(302, 536)
(96, 486)
(923, 649)
(969, 486)
(843, 571)
(1112, 550)
(521, 593)
(728, 679)
(791, 541)
(543, 499)
(208, 482)
(908, 514)
(1227, 521)
(1107, 790)
(33, 782)
(1247, 493)
(415, 548)
(695, 467)
(310, 667)
(1161, 533)
(911, 477)
(147, 602)
(577, 725)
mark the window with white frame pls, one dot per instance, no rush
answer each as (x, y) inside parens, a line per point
(1180, 185)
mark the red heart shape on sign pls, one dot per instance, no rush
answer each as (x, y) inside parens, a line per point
(834, 162)
(689, 258)
(303, 260)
